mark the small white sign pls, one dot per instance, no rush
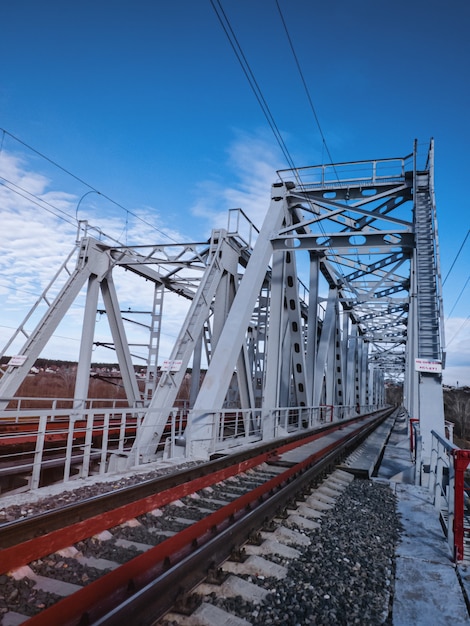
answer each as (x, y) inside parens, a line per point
(17, 360)
(422, 365)
(171, 366)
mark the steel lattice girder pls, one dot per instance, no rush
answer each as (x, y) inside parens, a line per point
(360, 235)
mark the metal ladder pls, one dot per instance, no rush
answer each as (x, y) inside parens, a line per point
(426, 273)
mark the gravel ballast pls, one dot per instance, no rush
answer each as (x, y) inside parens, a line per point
(345, 576)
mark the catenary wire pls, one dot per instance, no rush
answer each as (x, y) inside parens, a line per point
(459, 331)
(37, 201)
(40, 203)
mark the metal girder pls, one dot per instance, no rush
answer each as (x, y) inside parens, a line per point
(370, 243)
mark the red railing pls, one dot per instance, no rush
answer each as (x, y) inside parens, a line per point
(461, 461)
(413, 420)
(447, 482)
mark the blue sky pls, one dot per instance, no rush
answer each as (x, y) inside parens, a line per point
(146, 102)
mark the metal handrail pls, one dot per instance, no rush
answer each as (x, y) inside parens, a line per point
(447, 484)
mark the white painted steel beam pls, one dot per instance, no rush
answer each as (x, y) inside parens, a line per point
(220, 371)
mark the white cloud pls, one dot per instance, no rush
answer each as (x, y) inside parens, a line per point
(252, 162)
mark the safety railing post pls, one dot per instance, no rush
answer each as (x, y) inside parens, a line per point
(122, 431)
(87, 447)
(418, 454)
(433, 480)
(461, 460)
(36, 474)
(451, 500)
(104, 443)
(69, 446)
(439, 475)
(173, 417)
(413, 421)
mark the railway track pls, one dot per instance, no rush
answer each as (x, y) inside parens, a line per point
(132, 555)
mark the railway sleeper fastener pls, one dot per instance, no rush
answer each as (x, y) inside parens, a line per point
(238, 555)
(282, 514)
(216, 576)
(187, 603)
(269, 526)
(255, 538)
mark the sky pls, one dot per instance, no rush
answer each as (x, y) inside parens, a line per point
(145, 105)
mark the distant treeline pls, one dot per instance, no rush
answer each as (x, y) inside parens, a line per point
(45, 363)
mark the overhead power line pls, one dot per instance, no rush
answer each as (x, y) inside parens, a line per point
(459, 331)
(459, 296)
(304, 83)
(225, 23)
(456, 257)
(227, 27)
(80, 180)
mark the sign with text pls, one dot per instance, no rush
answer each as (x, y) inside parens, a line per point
(423, 365)
(171, 366)
(17, 360)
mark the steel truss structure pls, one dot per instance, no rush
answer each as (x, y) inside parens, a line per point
(338, 296)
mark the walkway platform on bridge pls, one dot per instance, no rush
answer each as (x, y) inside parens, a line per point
(429, 588)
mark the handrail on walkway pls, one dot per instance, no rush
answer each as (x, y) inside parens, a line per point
(447, 484)
(76, 442)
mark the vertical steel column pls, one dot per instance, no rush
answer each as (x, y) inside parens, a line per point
(363, 399)
(275, 333)
(312, 322)
(82, 381)
(351, 366)
(154, 342)
(327, 333)
(431, 402)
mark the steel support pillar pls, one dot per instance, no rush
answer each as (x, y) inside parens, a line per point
(82, 381)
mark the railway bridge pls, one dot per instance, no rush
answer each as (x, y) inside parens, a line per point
(289, 338)
(303, 321)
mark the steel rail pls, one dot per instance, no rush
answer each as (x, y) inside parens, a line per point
(153, 492)
(146, 587)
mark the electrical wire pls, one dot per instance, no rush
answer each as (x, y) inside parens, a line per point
(325, 145)
(456, 257)
(458, 332)
(232, 38)
(335, 257)
(40, 203)
(37, 201)
(459, 296)
(90, 187)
